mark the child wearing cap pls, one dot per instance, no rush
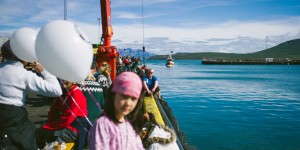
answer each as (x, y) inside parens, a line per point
(121, 121)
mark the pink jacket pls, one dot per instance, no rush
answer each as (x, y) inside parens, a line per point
(106, 135)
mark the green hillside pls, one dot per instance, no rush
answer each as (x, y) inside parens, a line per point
(289, 49)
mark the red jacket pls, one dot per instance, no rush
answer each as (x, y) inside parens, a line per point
(64, 110)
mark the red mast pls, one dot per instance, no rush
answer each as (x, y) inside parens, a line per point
(106, 52)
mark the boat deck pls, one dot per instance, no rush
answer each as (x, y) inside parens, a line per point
(37, 108)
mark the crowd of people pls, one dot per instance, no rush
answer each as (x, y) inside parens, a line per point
(150, 82)
(95, 112)
(128, 63)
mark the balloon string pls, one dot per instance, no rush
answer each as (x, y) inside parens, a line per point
(93, 97)
(74, 114)
(75, 104)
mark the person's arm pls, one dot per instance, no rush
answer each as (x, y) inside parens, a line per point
(107, 75)
(146, 87)
(47, 86)
(155, 86)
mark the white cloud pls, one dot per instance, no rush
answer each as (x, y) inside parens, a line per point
(233, 36)
(183, 36)
(127, 15)
(240, 37)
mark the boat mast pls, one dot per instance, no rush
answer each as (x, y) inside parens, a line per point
(99, 38)
(107, 52)
(65, 10)
(107, 32)
(266, 42)
(144, 49)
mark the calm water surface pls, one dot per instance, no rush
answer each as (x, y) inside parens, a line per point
(233, 107)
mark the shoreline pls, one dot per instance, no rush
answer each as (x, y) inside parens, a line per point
(208, 62)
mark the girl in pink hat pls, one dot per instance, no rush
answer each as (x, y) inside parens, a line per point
(121, 121)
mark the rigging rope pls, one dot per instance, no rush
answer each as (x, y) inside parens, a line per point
(87, 119)
(65, 10)
(143, 32)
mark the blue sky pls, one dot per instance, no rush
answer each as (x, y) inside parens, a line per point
(237, 26)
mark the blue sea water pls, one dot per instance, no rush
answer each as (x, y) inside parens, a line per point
(233, 107)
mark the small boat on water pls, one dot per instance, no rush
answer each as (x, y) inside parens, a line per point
(170, 61)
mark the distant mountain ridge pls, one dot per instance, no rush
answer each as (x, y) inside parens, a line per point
(289, 49)
(138, 53)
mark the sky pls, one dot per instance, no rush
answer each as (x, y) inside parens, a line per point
(162, 26)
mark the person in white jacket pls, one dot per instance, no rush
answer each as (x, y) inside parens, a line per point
(16, 130)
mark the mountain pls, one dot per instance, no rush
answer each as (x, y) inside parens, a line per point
(138, 53)
(289, 49)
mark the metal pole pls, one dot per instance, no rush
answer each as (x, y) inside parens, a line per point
(65, 10)
(144, 49)
(266, 42)
(99, 38)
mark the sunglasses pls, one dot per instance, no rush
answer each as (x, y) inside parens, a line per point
(151, 72)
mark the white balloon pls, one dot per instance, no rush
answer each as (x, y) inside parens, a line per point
(64, 50)
(22, 44)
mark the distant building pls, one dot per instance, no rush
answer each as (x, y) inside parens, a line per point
(269, 60)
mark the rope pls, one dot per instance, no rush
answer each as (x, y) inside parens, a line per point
(76, 105)
(143, 32)
(75, 115)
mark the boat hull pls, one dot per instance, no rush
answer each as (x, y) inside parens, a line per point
(170, 64)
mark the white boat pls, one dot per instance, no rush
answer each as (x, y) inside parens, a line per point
(169, 61)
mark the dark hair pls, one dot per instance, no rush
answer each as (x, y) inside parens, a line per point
(94, 65)
(7, 52)
(152, 118)
(136, 117)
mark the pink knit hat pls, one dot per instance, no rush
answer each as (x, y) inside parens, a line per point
(128, 83)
